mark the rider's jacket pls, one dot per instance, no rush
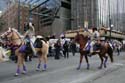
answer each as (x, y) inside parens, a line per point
(95, 35)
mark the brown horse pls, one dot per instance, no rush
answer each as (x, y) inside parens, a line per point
(105, 49)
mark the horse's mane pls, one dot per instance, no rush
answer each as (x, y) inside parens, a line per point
(83, 36)
(15, 30)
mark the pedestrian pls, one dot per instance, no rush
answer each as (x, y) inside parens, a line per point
(66, 49)
(73, 48)
(118, 47)
(57, 49)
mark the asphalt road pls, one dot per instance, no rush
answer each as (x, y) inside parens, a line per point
(64, 71)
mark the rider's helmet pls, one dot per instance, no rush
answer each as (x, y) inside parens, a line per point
(94, 29)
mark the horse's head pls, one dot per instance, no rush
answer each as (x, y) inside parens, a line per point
(6, 35)
(12, 35)
(80, 38)
(9, 33)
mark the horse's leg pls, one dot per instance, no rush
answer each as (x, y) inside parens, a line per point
(87, 61)
(24, 66)
(39, 63)
(105, 62)
(44, 57)
(79, 66)
(18, 65)
(30, 57)
(100, 56)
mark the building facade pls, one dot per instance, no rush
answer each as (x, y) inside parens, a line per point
(53, 18)
(83, 11)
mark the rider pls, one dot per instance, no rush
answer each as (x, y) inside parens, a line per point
(29, 32)
(94, 40)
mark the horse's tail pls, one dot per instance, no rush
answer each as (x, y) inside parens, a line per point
(45, 47)
(33, 49)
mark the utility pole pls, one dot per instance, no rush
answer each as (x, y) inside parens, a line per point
(100, 13)
(117, 15)
(109, 18)
(77, 14)
(123, 12)
(29, 13)
(123, 16)
(19, 15)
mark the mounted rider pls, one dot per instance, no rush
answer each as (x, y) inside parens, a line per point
(29, 30)
(29, 33)
(94, 42)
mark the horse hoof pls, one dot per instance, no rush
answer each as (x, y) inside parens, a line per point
(78, 68)
(105, 66)
(43, 69)
(37, 69)
(87, 68)
(100, 67)
(24, 72)
(17, 74)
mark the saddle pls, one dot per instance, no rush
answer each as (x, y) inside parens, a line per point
(38, 43)
(26, 48)
(97, 47)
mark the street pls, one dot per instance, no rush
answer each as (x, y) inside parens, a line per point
(64, 71)
(39, 26)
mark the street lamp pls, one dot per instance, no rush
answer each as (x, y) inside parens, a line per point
(111, 29)
(79, 27)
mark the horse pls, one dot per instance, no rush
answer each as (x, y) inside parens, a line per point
(18, 42)
(105, 49)
(42, 47)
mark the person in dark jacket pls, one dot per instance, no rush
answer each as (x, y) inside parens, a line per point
(57, 49)
(66, 49)
(73, 48)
